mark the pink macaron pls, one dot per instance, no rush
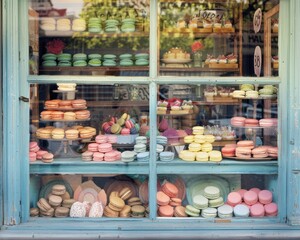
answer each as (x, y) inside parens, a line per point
(250, 198)
(234, 198)
(271, 209)
(93, 147)
(98, 156)
(268, 122)
(265, 196)
(243, 152)
(273, 152)
(260, 152)
(106, 127)
(251, 122)
(255, 189)
(125, 131)
(238, 121)
(242, 192)
(32, 156)
(228, 151)
(111, 156)
(129, 124)
(33, 147)
(257, 210)
(101, 139)
(40, 153)
(105, 147)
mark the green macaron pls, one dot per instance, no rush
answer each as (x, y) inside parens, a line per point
(49, 56)
(142, 62)
(79, 56)
(126, 62)
(80, 63)
(141, 55)
(109, 63)
(64, 57)
(109, 56)
(49, 63)
(95, 62)
(94, 56)
(125, 56)
(64, 64)
(192, 211)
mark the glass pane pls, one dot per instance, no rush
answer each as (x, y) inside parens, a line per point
(89, 38)
(218, 38)
(89, 196)
(99, 134)
(212, 130)
(217, 196)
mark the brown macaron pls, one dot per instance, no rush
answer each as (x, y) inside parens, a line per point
(61, 212)
(125, 212)
(125, 193)
(108, 212)
(47, 158)
(58, 189)
(43, 205)
(55, 200)
(116, 203)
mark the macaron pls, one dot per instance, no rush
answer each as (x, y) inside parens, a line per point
(49, 57)
(225, 211)
(162, 198)
(49, 63)
(257, 210)
(209, 212)
(80, 63)
(165, 211)
(240, 210)
(128, 156)
(79, 56)
(179, 211)
(192, 211)
(47, 158)
(94, 62)
(138, 211)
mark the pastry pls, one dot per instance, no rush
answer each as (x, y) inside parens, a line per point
(58, 133)
(207, 24)
(265, 196)
(87, 156)
(165, 211)
(137, 211)
(192, 211)
(215, 156)
(78, 25)
(47, 158)
(250, 198)
(271, 209)
(199, 201)
(94, 25)
(234, 198)
(162, 198)
(225, 211)
(241, 210)
(63, 24)
(257, 210)
(202, 156)
(97, 156)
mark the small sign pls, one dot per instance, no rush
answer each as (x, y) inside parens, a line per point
(212, 15)
(257, 18)
(257, 61)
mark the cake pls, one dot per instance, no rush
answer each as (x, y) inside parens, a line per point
(177, 53)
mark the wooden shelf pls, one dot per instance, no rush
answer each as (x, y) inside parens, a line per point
(193, 69)
(88, 34)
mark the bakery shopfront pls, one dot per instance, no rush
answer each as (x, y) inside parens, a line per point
(150, 119)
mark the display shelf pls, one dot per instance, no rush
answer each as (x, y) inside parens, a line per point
(64, 109)
(198, 33)
(88, 34)
(178, 166)
(77, 166)
(90, 70)
(117, 103)
(257, 127)
(62, 139)
(63, 120)
(195, 69)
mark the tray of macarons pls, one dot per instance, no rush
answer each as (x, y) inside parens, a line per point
(245, 150)
(242, 122)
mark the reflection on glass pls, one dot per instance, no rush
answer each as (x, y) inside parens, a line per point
(225, 36)
(89, 37)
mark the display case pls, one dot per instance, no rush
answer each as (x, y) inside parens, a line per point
(176, 130)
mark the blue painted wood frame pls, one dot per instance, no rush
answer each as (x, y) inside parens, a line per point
(16, 125)
(1, 120)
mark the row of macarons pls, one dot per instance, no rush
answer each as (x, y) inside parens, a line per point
(248, 91)
(252, 122)
(36, 153)
(94, 25)
(74, 132)
(246, 149)
(94, 59)
(65, 104)
(69, 115)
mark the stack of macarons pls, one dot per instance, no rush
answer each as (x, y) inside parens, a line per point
(251, 122)
(35, 153)
(116, 125)
(80, 60)
(169, 204)
(111, 26)
(109, 60)
(48, 24)
(254, 203)
(126, 59)
(128, 25)
(64, 60)
(94, 60)
(99, 152)
(57, 203)
(200, 147)
(267, 91)
(94, 25)
(49, 60)
(78, 25)
(141, 59)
